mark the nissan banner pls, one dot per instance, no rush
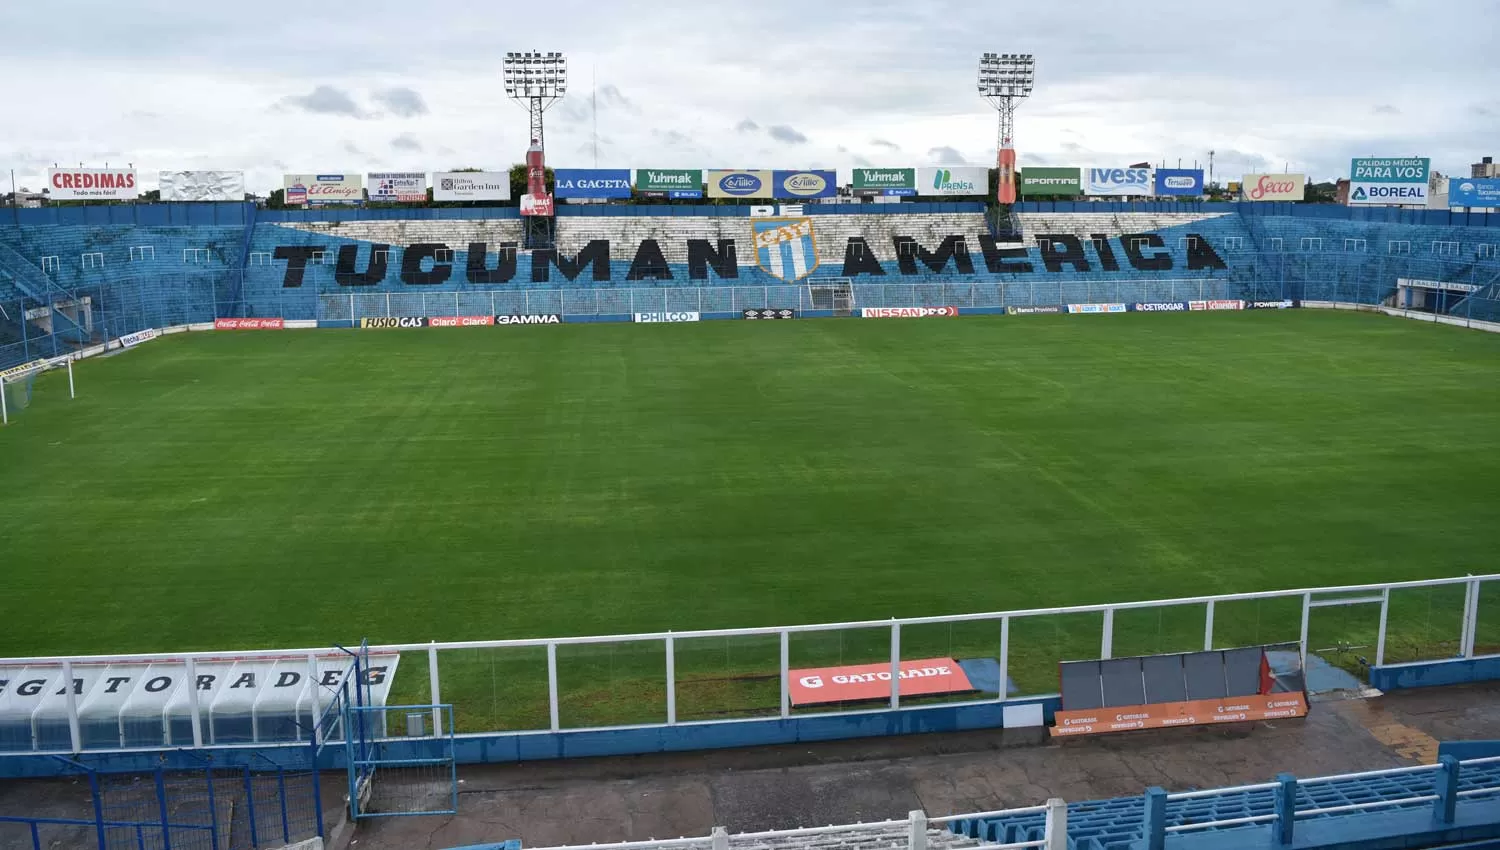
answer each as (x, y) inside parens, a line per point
(402, 187)
(471, 186)
(592, 182)
(959, 180)
(92, 184)
(202, 185)
(1179, 181)
(317, 189)
(1117, 181)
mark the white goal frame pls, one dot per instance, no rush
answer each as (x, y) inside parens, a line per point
(25, 373)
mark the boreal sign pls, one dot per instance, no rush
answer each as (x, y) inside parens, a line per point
(1179, 181)
(592, 182)
(1117, 181)
(1377, 181)
(805, 184)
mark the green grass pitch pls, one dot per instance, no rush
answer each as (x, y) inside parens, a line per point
(261, 489)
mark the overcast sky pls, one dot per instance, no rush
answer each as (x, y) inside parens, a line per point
(321, 86)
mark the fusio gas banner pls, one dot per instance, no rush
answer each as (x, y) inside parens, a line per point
(592, 182)
(202, 185)
(960, 180)
(673, 182)
(1474, 192)
(1385, 181)
(381, 322)
(740, 184)
(1274, 187)
(1179, 181)
(805, 184)
(316, 189)
(1117, 181)
(403, 187)
(471, 186)
(92, 184)
(906, 312)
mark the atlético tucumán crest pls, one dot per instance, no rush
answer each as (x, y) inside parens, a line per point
(784, 247)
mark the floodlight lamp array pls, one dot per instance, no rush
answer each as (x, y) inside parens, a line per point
(1006, 75)
(535, 74)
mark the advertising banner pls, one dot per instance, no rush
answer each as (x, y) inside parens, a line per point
(538, 205)
(885, 181)
(1051, 181)
(769, 313)
(92, 184)
(314, 190)
(1117, 181)
(1284, 304)
(1474, 192)
(1216, 305)
(471, 186)
(1377, 181)
(592, 182)
(689, 316)
(398, 187)
(132, 340)
(856, 682)
(1005, 176)
(1274, 187)
(380, 322)
(805, 184)
(1159, 307)
(202, 185)
(530, 319)
(1095, 308)
(961, 180)
(1189, 713)
(905, 312)
(460, 321)
(673, 182)
(1050, 309)
(740, 184)
(249, 324)
(1179, 181)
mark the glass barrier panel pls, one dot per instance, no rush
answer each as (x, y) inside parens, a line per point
(723, 678)
(612, 684)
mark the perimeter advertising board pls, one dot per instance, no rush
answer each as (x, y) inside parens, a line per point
(313, 190)
(400, 187)
(740, 184)
(1375, 182)
(92, 184)
(1179, 181)
(1474, 192)
(1274, 187)
(471, 186)
(1051, 181)
(609, 183)
(202, 185)
(805, 184)
(1117, 181)
(885, 181)
(672, 182)
(958, 180)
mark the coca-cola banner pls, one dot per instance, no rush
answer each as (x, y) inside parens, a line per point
(1274, 187)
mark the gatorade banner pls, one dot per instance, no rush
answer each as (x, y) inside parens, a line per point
(857, 682)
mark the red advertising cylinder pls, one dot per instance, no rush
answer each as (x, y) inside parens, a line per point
(1005, 191)
(536, 170)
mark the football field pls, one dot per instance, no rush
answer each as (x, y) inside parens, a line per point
(299, 488)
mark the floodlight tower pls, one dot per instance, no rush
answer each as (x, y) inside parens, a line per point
(536, 81)
(1005, 79)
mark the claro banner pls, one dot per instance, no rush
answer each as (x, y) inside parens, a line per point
(1274, 187)
(202, 185)
(92, 184)
(314, 190)
(593, 182)
(740, 184)
(471, 186)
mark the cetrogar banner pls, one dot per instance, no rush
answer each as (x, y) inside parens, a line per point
(1377, 181)
(885, 181)
(318, 189)
(592, 182)
(1117, 181)
(740, 184)
(471, 186)
(673, 182)
(92, 184)
(1474, 192)
(805, 184)
(1051, 181)
(1274, 187)
(398, 187)
(202, 185)
(963, 180)
(1179, 181)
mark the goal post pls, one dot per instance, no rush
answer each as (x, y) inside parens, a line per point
(17, 384)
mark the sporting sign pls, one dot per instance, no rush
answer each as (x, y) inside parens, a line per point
(672, 182)
(860, 682)
(1051, 181)
(1274, 187)
(785, 247)
(201, 185)
(906, 312)
(960, 180)
(885, 181)
(740, 184)
(92, 184)
(398, 187)
(684, 316)
(471, 186)
(1474, 192)
(1117, 181)
(1179, 181)
(804, 184)
(592, 182)
(1385, 182)
(314, 190)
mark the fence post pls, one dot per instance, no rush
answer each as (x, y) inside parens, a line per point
(895, 664)
(286, 826)
(1154, 819)
(1107, 643)
(1445, 786)
(1472, 620)
(436, 687)
(1208, 627)
(1302, 641)
(75, 735)
(1385, 610)
(786, 675)
(916, 834)
(1057, 825)
(552, 706)
(720, 838)
(98, 795)
(671, 680)
(213, 806)
(1286, 809)
(161, 805)
(1004, 684)
(193, 708)
(250, 806)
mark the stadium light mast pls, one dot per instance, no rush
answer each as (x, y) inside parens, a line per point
(536, 81)
(1005, 79)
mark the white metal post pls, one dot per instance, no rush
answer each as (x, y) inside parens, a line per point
(317, 698)
(895, 665)
(387, 304)
(1208, 627)
(1004, 686)
(786, 675)
(72, 390)
(437, 693)
(1057, 825)
(719, 838)
(552, 706)
(4, 414)
(1385, 610)
(1302, 642)
(352, 317)
(916, 834)
(75, 734)
(1472, 618)
(197, 720)
(671, 680)
(1107, 644)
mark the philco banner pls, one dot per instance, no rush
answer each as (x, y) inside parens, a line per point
(403, 187)
(685, 316)
(1474, 192)
(740, 184)
(1051, 181)
(1382, 182)
(1274, 187)
(92, 184)
(202, 185)
(471, 186)
(674, 182)
(1117, 181)
(317, 189)
(963, 180)
(593, 182)
(885, 181)
(805, 184)
(393, 322)
(1179, 181)
(1189, 713)
(856, 682)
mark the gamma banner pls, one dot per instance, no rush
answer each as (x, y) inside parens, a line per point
(1385, 182)
(885, 181)
(805, 184)
(593, 182)
(674, 182)
(740, 184)
(959, 180)
(1051, 181)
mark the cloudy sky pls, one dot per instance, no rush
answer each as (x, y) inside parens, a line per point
(323, 86)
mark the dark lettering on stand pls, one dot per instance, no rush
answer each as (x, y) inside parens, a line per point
(374, 273)
(411, 265)
(504, 270)
(296, 257)
(1135, 245)
(594, 254)
(1107, 261)
(1005, 257)
(1060, 249)
(909, 251)
(702, 256)
(649, 264)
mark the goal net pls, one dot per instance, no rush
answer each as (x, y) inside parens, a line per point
(18, 385)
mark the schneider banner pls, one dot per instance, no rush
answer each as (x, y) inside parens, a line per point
(471, 186)
(673, 182)
(317, 189)
(1179, 181)
(1117, 181)
(960, 180)
(592, 182)
(885, 181)
(1382, 182)
(1051, 181)
(1474, 192)
(401, 187)
(740, 184)
(805, 184)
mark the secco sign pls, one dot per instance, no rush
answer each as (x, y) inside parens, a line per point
(821, 685)
(1274, 187)
(92, 184)
(905, 312)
